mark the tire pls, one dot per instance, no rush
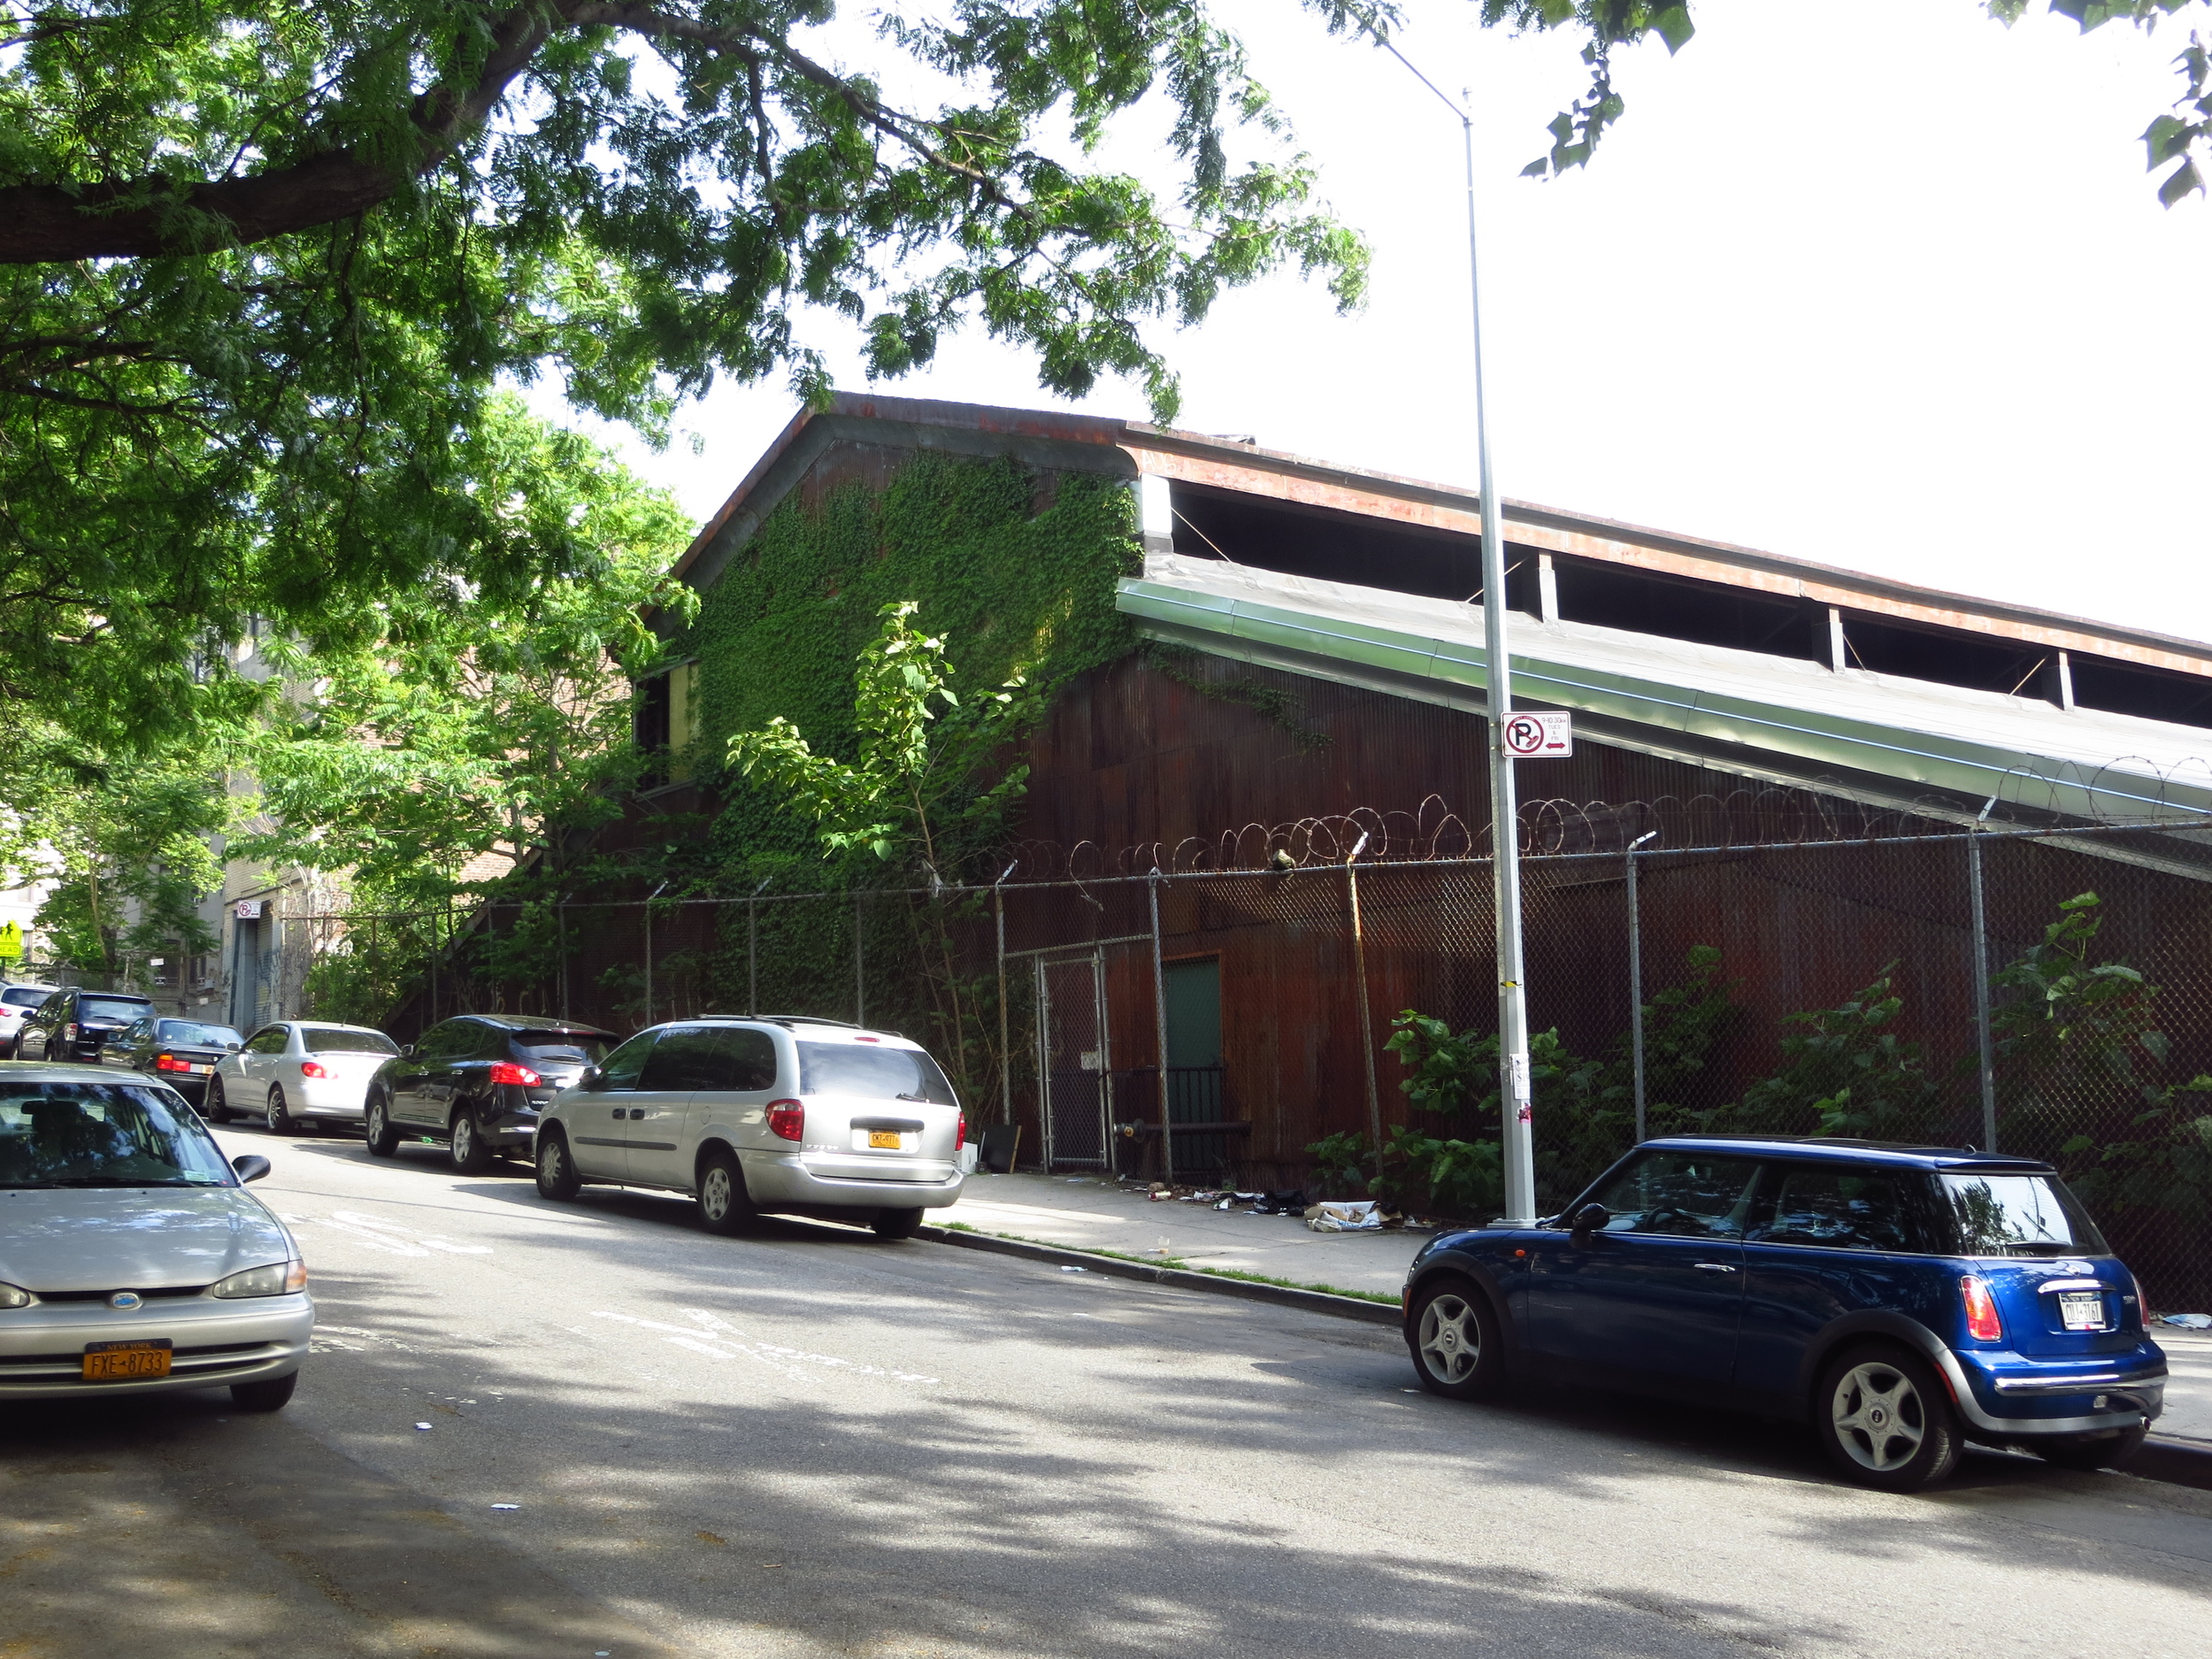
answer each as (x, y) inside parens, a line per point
(2105, 1451)
(557, 1170)
(725, 1204)
(376, 1128)
(217, 1107)
(1886, 1419)
(897, 1223)
(1454, 1340)
(280, 1120)
(471, 1155)
(269, 1394)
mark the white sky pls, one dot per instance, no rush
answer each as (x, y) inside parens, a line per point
(1896, 296)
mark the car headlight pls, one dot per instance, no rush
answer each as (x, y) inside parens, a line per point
(277, 1279)
(14, 1296)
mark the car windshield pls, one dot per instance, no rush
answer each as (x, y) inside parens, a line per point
(111, 1008)
(885, 1074)
(24, 998)
(191, 1033)
(104, 1134)
(324, 1040)
(2018, 1214)
(552, 1048)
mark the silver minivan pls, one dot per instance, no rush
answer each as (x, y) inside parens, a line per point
(798, 1117)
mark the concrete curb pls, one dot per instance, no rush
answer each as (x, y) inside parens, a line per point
(2177, 1463)
(1181, 1279)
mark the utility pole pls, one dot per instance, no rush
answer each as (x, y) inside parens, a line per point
(1505, 816)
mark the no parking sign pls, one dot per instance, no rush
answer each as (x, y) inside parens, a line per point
(1529, 736)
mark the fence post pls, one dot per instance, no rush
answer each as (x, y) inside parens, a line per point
(560, 944)
(650, 897)
(1366, 1019)
(1636, 981)
(1159, 1019)
(752, 955)
(1005, 1049)
(860, 981)
(1980, 943)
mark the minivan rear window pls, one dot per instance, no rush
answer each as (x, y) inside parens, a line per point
(863, 1069)
(321, 1039)
(2018, 1214)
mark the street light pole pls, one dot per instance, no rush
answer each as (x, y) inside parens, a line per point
(1505, 842)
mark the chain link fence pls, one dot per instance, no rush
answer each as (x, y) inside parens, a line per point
(1217, 1026)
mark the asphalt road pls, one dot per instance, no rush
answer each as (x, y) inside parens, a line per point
(815, 1443)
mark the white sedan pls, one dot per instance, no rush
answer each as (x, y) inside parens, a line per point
(298, 1072)
(132, 1259)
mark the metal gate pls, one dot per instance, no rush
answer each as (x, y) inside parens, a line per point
(1075, 1061)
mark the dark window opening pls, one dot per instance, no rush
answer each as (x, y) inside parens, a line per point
(1703, 613)
(1947, 656)
(649, 726)
(1338, 547)
(2151, 693)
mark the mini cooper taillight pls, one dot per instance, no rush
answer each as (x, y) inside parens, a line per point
(1982, 1323)
(507, 1072)
(2142, 1305)
(786, 1119)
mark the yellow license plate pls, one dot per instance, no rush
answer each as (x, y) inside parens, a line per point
(887, 1139)
(125, 1361)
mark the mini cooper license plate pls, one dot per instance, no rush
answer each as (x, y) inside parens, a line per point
(883, 1140)
(125, 1361)
(2081, 1311)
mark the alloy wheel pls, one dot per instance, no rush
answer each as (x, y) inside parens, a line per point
(1451, 1340)
(279, 1121)
(1878, 1416)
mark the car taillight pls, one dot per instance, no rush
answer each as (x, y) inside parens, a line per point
(170, 1063)
(69, 1032)
(508, 1071)
(786, 1119)
(960, 1135)
(2142, 1306)
(312, 1068)
(1982, 1323)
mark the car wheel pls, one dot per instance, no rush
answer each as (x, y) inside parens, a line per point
(269, 1394)
(376, 1128)
(217, 1110)
(557, 1171)
(1886, 1419)
(897, 1223)
(2104, 1451)
(1454, 1340)
(725, 1204)
(472, 1155)
(279, 1117)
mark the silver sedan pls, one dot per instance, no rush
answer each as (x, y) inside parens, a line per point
(132, 1258)
(296, 1074)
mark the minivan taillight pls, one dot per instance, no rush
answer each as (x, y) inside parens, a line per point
(960, 1135)
(508, 1071)
(786, 1119)
(1982, 1323)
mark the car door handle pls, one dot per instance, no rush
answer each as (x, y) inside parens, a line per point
(1714, 1267)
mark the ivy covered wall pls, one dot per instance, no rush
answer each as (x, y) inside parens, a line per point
(1007, 566)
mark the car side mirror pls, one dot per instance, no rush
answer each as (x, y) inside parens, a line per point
(407, 1051)
(250, 1167)
(1589, 1219)
(592, 1077)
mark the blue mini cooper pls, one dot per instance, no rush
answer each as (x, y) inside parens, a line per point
(1901, 1299)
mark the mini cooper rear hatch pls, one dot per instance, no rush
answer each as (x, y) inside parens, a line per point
(1901, 1299)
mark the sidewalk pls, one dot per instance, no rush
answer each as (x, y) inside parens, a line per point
(1087, 1213)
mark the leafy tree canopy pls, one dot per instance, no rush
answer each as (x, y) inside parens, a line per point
(264, 267)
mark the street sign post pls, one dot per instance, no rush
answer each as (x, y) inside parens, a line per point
(1532, 736)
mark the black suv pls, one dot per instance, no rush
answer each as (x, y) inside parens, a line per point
(72, 1025)
(477, 1083)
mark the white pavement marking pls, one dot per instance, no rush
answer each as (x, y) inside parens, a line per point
(768, 1353)
(388, 1236)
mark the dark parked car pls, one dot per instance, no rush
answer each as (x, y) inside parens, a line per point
(183, 1053)
(75, 1025)
(1899, 1299)
(477, 1083)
